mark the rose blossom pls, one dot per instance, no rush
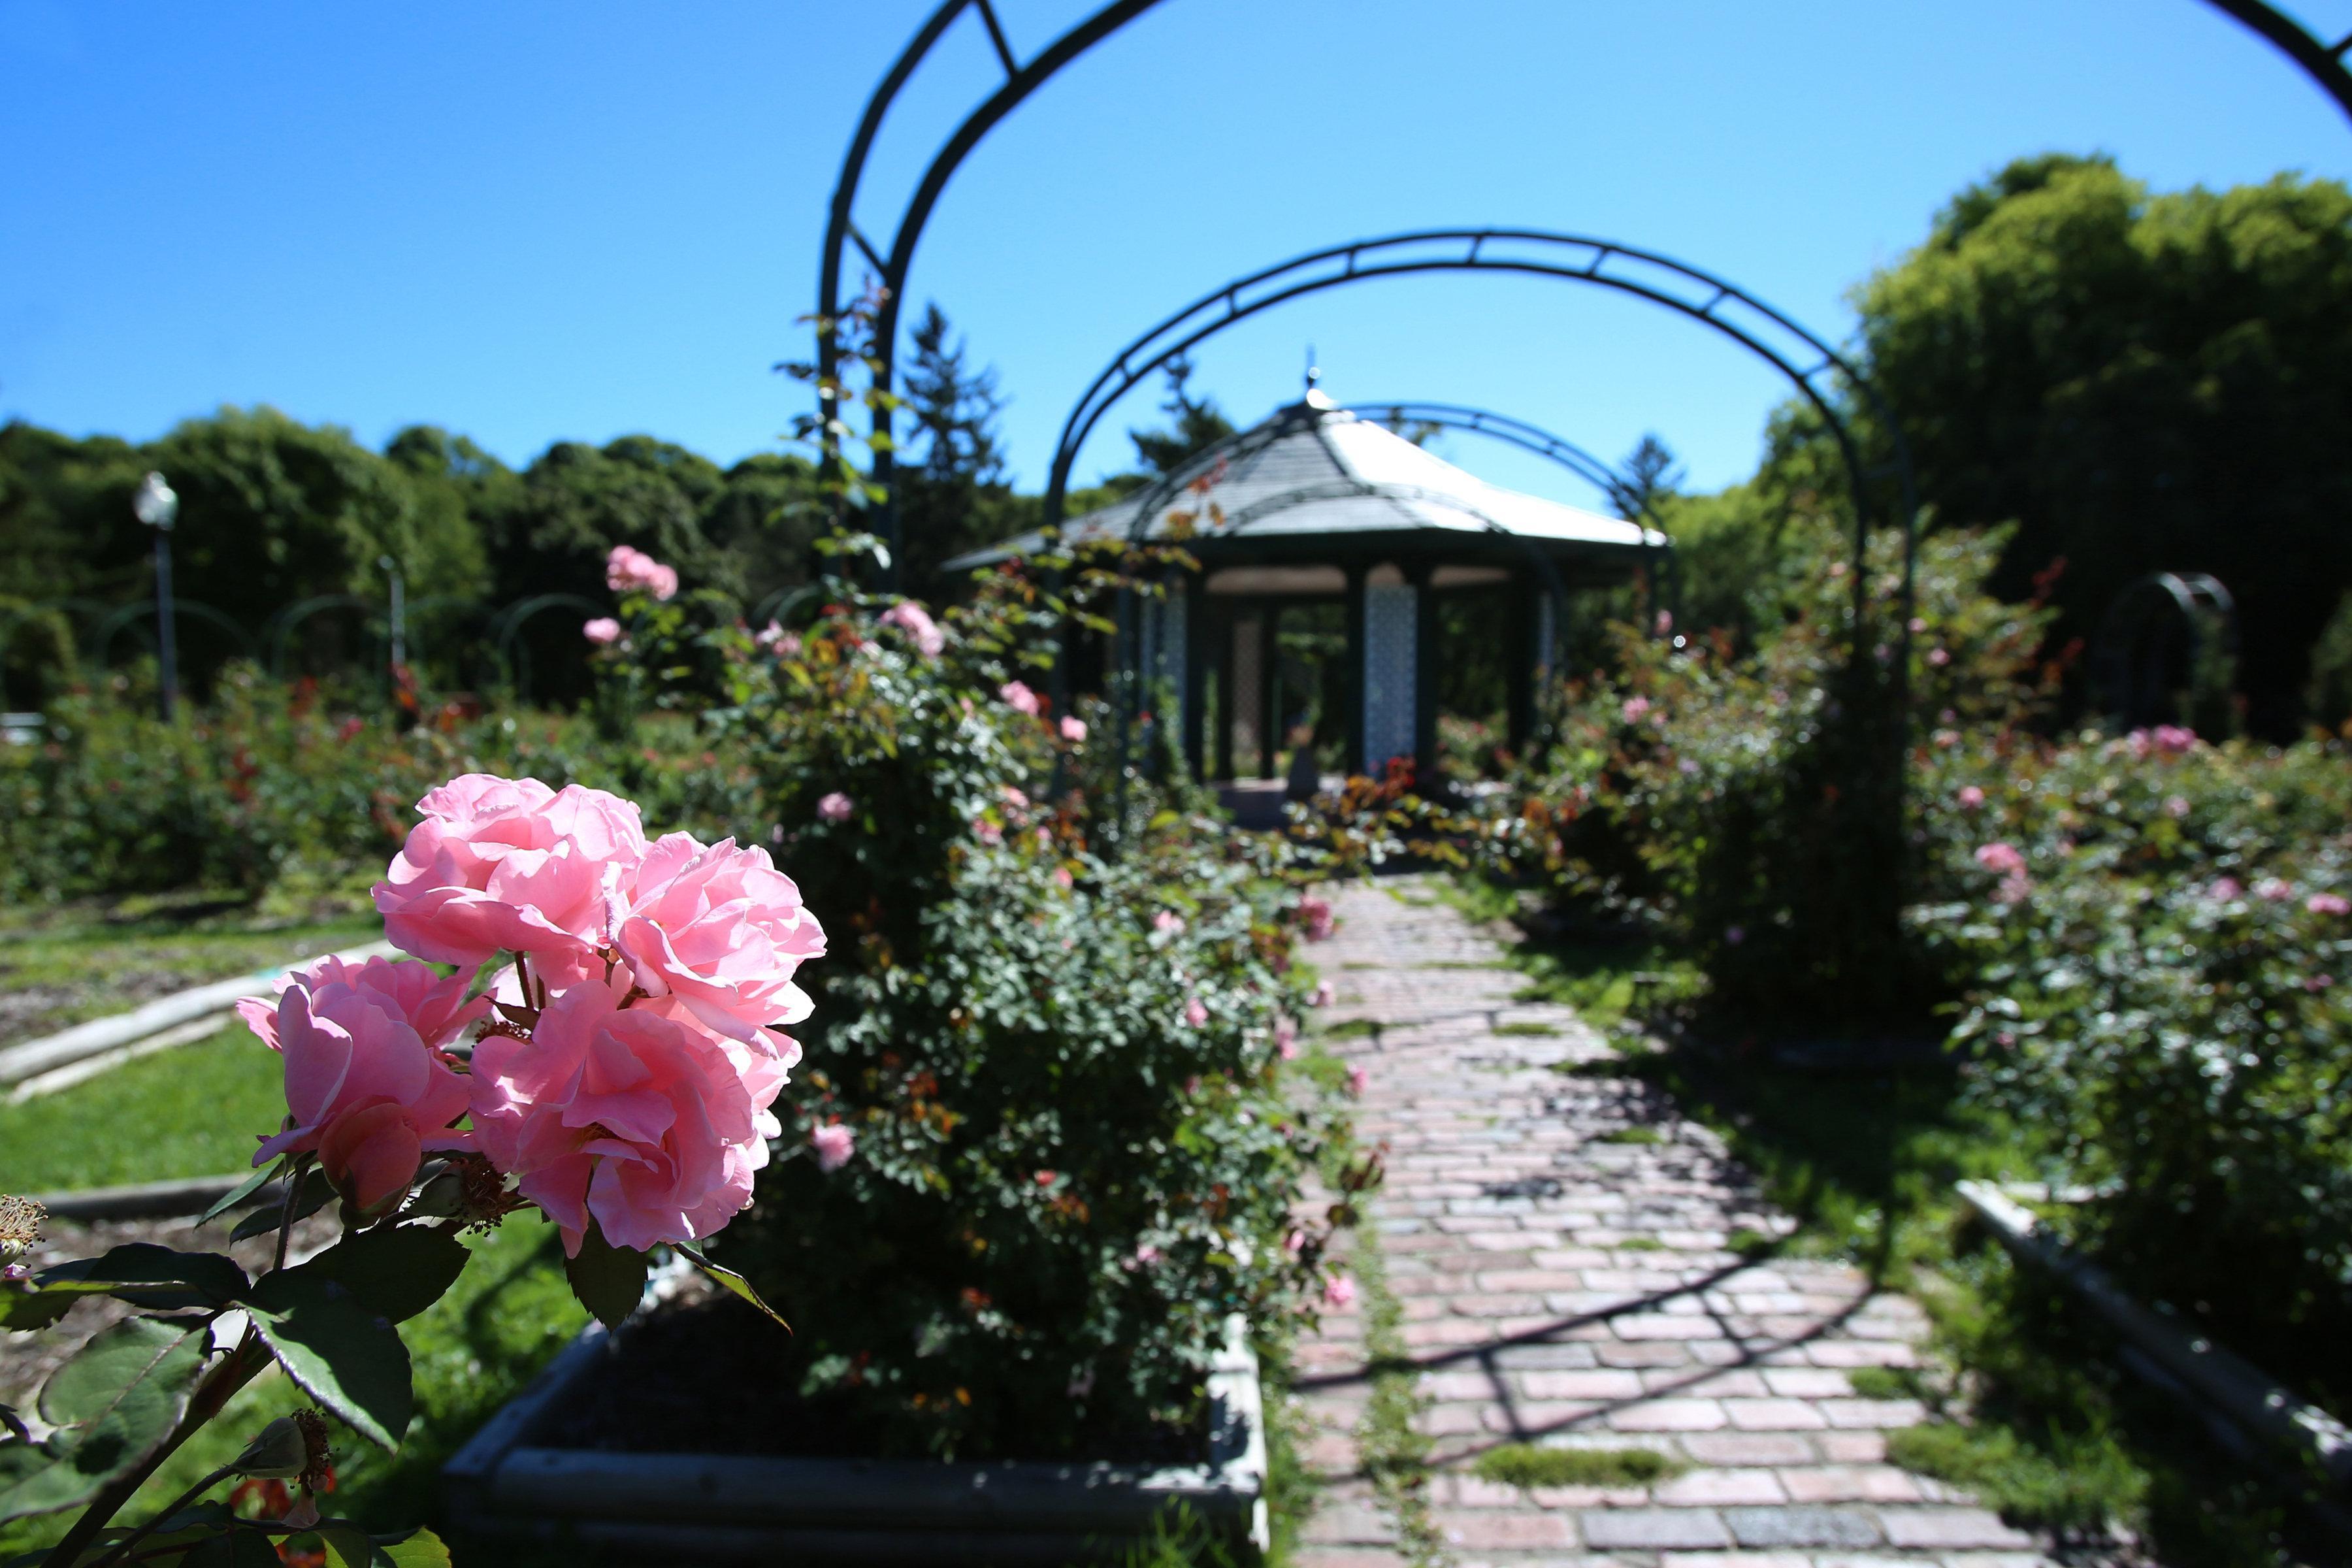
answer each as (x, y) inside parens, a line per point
(1636, 709)
(510, 864)
(1072, 729)
(723, 931)
(1971, 796)
(833, 807)
(629, 1117)
(1359, 1079)
(833, 1144)
(1315, 915)
(1939, 657)
(2328, 904)
(365, 1089)
(1018, 698)
(1324, 995)
(2225, 890)
(2272, 891)
(2001, 857)
(916, 622)
(2176, 806)
(1195, 1013)
(774, 639)
(987, 832)
(1167, 921)
(627, 568)
(602, 631)
(1339, 1291)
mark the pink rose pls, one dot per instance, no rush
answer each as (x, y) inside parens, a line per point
(1971, 796)
(1018, 698)
(833, 1144)
(2272, 891)
(1315, 915)
(629, 1117)
(2173, 740)
(1286, 1033)
(1167, 922)
(508, 864)
(2328, 904)
(1324, 995)
(1339, 1291)
(2176, 806)
(1062, 880)
(833, 807)
(2002, 858)
(1146, 1256)
(2013, 889)
(916, 622)
(365, 1089)
(2225, 890)
(774, 639)
(1359, 1079)
(626, 569)
(987, 832)
(602, 631)
(1636, 709)
(1195, 1013)
(1939, 657)
(1072, 729)
(721, 930)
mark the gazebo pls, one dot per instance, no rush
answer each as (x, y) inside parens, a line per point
(1317, 504)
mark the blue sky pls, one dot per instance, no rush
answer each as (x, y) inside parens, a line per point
(534, 222)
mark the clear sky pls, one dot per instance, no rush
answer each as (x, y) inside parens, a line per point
(530, 222)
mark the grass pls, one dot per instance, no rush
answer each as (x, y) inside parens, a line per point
(2075, 1486)
(1537, 1030)
(1632, 1135)
(198, 1111)
(87, 952)
(508, 1315)
(1354, 1030)
(1528, 1465)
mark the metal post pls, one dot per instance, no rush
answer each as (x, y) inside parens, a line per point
(399, 614)
(154, 504)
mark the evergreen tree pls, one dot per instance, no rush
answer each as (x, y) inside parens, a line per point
(1196, 424)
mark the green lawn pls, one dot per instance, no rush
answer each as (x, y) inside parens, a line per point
(195, 1110)
(59, 968)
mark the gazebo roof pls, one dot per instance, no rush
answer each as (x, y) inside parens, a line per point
(1316, 482)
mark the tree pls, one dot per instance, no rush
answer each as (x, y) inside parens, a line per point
(1650, 474)
(955, 499)
(2143, 383)
(1196, 424)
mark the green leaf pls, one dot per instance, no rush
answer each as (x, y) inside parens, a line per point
(348, 1358)
(118, 1398)
(418, 1549)
(395, 1272)
(146, 1275)
(23, 1309)
(609, 1280)
(733, 1281)
(317, 1190)
(347, 1546)
(244, 1189)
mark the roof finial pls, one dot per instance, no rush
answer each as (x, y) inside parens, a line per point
(1314, 373)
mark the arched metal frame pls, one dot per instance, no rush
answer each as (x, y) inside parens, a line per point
(2323, 63)
(2200, 600)
(514, 655)
(280, 630)
(1817, 371)
(103, 634)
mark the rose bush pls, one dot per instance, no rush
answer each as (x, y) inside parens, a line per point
(623, 1084)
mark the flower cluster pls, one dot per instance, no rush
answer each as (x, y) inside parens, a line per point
(625, 1078)
(627, 569)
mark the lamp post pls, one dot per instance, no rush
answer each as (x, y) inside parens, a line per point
(399, 614)
(154, 504)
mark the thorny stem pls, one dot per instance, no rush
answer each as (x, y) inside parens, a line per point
(182, 1500)
(295, 1171)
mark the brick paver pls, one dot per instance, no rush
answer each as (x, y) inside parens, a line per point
(1566, 1287)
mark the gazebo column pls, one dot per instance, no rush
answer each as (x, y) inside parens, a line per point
(1192, 611)
(1240, 695)
(1356, 656)
(1425, 681)
(1520, 668)
(1390, 613)
(1275, 729)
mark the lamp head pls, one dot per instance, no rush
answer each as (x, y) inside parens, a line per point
(154, 503)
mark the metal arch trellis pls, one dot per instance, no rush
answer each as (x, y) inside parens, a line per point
(2323, 63)
(1812, 365)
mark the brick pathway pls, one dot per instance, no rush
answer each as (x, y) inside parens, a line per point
(1561, 1289)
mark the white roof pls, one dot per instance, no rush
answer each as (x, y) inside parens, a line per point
(1314, 468)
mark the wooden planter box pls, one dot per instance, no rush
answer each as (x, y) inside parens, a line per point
(656, 1508)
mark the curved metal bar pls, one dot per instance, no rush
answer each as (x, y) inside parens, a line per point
(2323, 63)
(784, 601)
(102, 636)
(841, 227)
(280, 629)
(509, 624)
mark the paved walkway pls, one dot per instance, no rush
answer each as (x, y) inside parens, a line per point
(1560, 1288)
